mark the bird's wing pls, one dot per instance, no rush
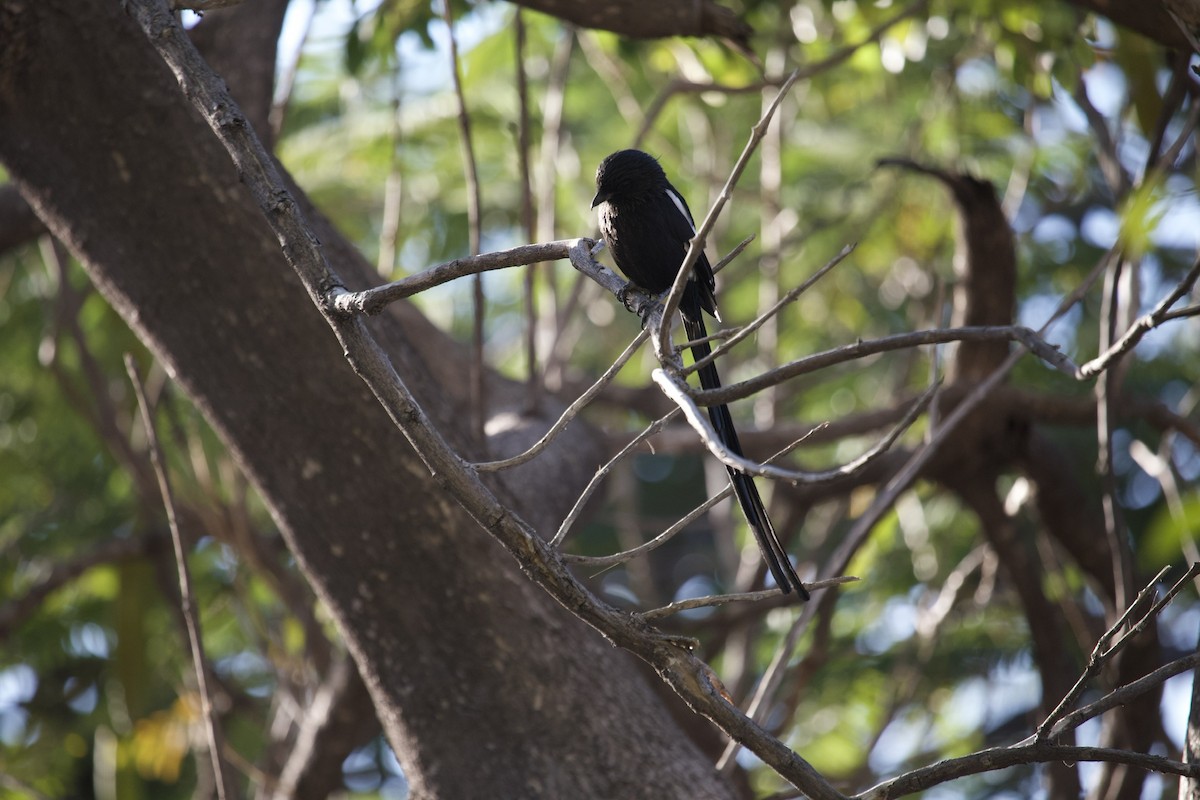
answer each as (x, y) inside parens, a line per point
(682, 227)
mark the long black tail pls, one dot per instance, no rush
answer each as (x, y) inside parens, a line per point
(743, 485)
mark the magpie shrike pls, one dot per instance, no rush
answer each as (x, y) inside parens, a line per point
(647, 226)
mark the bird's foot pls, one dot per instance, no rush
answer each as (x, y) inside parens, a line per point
(636, 301)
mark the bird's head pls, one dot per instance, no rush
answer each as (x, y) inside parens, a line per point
(628, 176)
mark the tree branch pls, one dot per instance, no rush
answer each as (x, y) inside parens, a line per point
(372, 301)
(681, 395)
(1142, 326)
(571, 412)
(1124, 694)
(900, 341)
(1103, 652)
(212, 728)
(696, 248)
(997, 758)
(711, 601)
(791, 297)
(666, 535)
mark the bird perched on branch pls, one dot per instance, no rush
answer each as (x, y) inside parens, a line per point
(647, 226)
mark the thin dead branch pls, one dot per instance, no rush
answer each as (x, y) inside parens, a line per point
(997, 758)
(1106, 648)
(696, 248)
(680, 86)
(680, 394)
(212, 728)
(664, 537)
(474, 229)
(1144, 324)
(1031, 340)
(603, 472)
(791, 297)
(711, 601)
(571, 412)
(372, 301)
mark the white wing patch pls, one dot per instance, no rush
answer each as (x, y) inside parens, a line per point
(683, 212)
(678, 201)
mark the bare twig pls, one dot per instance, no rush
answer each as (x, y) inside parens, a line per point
(553, 103)
(613, 559)
(732, 254)
(772, 224)
(1190, 789)
(1143, 325)
(1106, 389)
(678, 392)
(1158, 466)
(1184, 29)
(1172, 153)
(286, 78)
(997, 758)
(336, 717)
(696, 248)
(1174, 97)
(612, 76)
(772, 677)
(601, 473)
(682, 86)
(474, 227)
(1182, 313)
(679, 86)
(571, 412)
(200, 6)
(1032, 341)
(930, 616)
(770, 313)
(1114, 172)
(1123, 694)
(533, 382)
(187, 599)
(93, 402)
(664, 537)
(1104, 651)
(909, 472)
(740, 597)
(372, 301)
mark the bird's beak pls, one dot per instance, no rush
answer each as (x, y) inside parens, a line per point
(599, 198)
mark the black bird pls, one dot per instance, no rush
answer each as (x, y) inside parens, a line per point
(647, 226)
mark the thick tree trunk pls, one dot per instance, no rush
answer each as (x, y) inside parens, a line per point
(484, 686)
